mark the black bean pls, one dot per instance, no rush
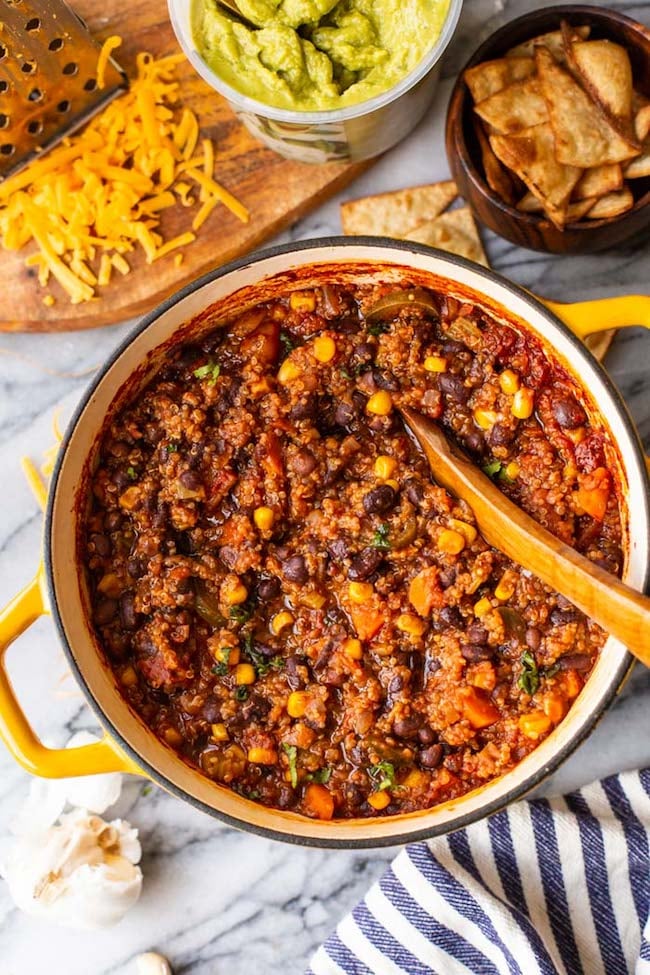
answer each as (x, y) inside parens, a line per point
(295, 570)
(305, 409)
(396, 684)
(453, 387)
(353, 795)
(477, 633)
(136, 568)
(211, 712)
(191, 480)
(533, 637)
(293, 678)
(407, 727)
(268, 589)
(283, 552)
(449, 616)
(348, 325)
(359, 401)
(105, 611)
(228, 555)
(365, 563)
(426, 735)
(384, 379)
(127, 611)
(501, 435)
(414, 490)
(575, 661)
(101, 543)
(568, 412)
(344, 414)
(113, 521)
(475, 442)
(121, 479)
(475, 652)
(304, 462)
(447, 577)
(559, 617)
(431, 757)
(338, 549)
(452, 347)
(380, 500)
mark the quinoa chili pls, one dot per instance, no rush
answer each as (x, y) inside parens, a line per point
(285, 596)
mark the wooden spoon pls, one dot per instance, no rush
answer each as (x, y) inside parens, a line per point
(622, 611)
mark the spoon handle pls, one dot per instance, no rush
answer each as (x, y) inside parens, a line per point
(620, 610)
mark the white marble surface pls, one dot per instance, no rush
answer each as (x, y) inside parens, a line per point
(218, 901)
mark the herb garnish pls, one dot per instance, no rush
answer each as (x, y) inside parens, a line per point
(344, 372)
(383, 775)
(132, 473)
(529, 678)
(241, 692)
(292, 755)
(220, 669)
(210, 371)
(287, 342)
(242, 613)
(261, 663)
(492, 468)
(171, 447)
(551, 671)
(321, 775)
(380, 538)
(378, 328)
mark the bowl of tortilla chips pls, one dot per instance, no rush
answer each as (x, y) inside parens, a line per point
(548, 130)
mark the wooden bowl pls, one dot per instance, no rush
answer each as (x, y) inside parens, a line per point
(526, 229)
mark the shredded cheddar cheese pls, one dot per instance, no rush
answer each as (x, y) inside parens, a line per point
(101, 193)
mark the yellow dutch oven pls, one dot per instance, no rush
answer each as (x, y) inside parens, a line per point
(60, 586)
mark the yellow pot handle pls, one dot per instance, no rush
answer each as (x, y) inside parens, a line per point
(586, 317)
(15, 730)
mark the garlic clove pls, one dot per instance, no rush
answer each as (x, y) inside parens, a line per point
(151, 963)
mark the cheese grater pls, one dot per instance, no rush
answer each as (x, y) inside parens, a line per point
(48, 78)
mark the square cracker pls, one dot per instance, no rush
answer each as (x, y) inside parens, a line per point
(392, 214)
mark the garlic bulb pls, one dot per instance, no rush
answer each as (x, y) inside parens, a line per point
(151, 963)
(81, 873)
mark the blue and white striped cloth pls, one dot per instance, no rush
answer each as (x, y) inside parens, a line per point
(546, 887)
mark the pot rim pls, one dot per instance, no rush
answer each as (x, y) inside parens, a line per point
(615, 680)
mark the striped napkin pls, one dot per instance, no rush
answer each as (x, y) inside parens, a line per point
(545, 887)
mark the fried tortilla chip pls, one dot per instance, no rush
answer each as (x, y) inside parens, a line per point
(640, 166)
(531, 155)
(454, 232)
(497, 176)
(604, 71)
(583, 135)
(530, 203)
(598, 181)
(513, 108)
(612, 205)
(641, 117)
(553, 41)
(577, 210)
(490, 77)
(392, 214)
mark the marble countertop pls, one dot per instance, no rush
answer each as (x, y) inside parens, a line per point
(216, 900)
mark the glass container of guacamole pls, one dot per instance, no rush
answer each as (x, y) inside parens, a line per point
(321, 80)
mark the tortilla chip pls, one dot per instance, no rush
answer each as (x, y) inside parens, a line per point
(488, 78)
(392, 214)
(553, 42)
(583, 136)
(497, 176)
(604, 70)
(612, 205)
(454, 232)
(642, 122)
(531, 155)
(598, 181)
(530, 204)
(640, 166)
(577, 210)
(513, 108)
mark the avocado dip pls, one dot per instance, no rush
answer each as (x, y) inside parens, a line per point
(316, 55)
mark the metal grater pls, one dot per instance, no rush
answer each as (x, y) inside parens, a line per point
(48, 83)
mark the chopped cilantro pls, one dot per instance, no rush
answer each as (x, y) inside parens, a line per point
(241, 614)
(344, 372)
(383, 775)
(378, 328)
(551, 671)
(380, 538)
(220, 669)
(529, 678)
(287, 343)
(260, 662)
(171, 447)
(253, 794)
(210, 371)
(241, 692)
(321, 775)
(132, 473)
(292, 755)
(492, 468)
(505, 478)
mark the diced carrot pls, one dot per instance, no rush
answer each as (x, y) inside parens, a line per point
(318, 802)
(476, 707)
(271, 452)
(555, 707)
(572, 684)
(367, 620)
(263, 343)
(593, 493)
(425, 592)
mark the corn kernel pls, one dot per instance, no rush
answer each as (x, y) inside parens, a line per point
(263, 756)
(360, 592)
(260, 386)
(511, 470)
(227, 655)
(110, 585)
(506, 586)
(297, 703)
(379, 800)
(385, 467)
(302, 301)
(575, 436)
(353, 648)
(129, 499)
(233, 592)
(219, 732)
(435, 363)
(380, 403)
(173, 737)
(281, 621)
(482, 607)
(324, 348)
(534, 724)
(485, 419)
(391, 482)
(128, 677)
(468, 532)
(313, 600)
(555, 707)
(509, 381)
(415, 779)
(450, 541)
(523, 403)
(244, 674)
(383, 649)
(411, 624)
(263, 518)
(288, 371)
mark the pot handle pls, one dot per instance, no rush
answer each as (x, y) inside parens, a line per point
(15, 730)
(587, 317)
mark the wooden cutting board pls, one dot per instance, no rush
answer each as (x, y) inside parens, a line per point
(276, 191)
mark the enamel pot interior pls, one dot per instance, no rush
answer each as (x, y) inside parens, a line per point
(218, 297)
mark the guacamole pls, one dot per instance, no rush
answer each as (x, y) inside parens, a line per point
(314, 55)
